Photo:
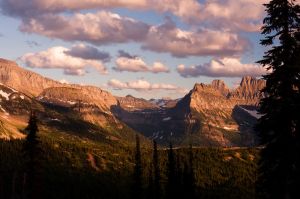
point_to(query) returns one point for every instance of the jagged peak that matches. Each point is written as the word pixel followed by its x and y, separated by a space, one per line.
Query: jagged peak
pixel 246 80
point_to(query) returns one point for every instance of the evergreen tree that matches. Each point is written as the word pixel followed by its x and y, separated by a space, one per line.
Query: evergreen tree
pixel 32 154
pixel 157 188
pixel 279 126
pixel 137 186
pixel 150 193
pixel 171 166
pixel 189 176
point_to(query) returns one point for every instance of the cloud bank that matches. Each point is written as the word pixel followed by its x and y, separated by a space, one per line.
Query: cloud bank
pixel 133 63
pixel 235 14
pixel 220 22
pixel 225 67
pixel 142 86
pixel 56 57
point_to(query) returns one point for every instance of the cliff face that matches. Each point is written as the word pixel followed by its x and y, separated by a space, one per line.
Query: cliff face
pixel 220 86
pixel 218 114
pixel 249 91
pixel 23 80
pixel 95 103
pixel 131 103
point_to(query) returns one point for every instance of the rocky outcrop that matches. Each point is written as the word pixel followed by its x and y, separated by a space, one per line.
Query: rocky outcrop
pixel 220 86
pixel 249 91
pixel 218 115
pixel 131 103
pixel 23 80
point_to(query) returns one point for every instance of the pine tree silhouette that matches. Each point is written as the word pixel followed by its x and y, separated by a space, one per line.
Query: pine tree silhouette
pixel 32 153
pixel 171 172
pixel 279 126
pixel 189 176
pixel 137 186
pixel 157 185
pixel 150 192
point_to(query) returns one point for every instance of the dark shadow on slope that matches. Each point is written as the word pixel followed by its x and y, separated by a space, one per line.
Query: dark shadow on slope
pixel 162 125
pixel 246 124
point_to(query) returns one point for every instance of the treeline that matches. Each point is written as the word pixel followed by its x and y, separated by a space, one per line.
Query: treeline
pixel 51 165
pixel 194 173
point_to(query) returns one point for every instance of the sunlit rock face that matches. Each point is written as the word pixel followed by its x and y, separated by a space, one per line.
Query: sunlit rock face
pixel 23 80
pixel 209 115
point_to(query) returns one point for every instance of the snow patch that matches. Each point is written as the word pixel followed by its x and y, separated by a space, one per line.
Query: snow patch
pixel 253 113
pixel 4 94
pixel 167 119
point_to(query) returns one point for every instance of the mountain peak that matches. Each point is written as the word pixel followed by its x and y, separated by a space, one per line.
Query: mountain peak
pixel 220 86
pixel 247 80
pixel 249 89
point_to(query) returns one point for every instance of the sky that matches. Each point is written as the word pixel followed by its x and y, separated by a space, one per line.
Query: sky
pixel 146 48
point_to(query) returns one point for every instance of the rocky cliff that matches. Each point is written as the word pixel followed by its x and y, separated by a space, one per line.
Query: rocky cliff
pixel 23 80
pixel 249 91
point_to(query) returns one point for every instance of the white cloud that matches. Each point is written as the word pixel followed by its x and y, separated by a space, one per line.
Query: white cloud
pixel 141 85
pixel 97 28
pixel 234 14
pixel 56 57
pixel 158 67
pixel 168 38
pixel 136 64
pixel 225 67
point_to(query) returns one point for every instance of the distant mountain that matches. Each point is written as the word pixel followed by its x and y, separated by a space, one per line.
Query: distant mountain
pixel 80 110
pixel 164 102
pixel 209 115
pixel 131 103
pixel 220 116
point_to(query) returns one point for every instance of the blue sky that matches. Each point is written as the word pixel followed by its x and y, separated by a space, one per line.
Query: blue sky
pixel 169 46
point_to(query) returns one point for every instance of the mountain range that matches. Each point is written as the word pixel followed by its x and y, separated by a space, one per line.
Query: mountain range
pixel 209 115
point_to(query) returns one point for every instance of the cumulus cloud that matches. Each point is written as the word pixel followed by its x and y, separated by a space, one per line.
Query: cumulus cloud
pixel 234 14
pixel 225 67
pixel 133 63
pixel 97 28
pixel 141 85
pixel 220 22
pixel 56 57
pixel 88 52
pixel 168 38
pixel 245 15
pixel 38 7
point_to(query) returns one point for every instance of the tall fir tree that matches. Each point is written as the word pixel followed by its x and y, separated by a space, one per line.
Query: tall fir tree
pixel 137 186
pixel 171 174
pixel 157 185
pixel 189 176
pixel 279 126
pixel 32 154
